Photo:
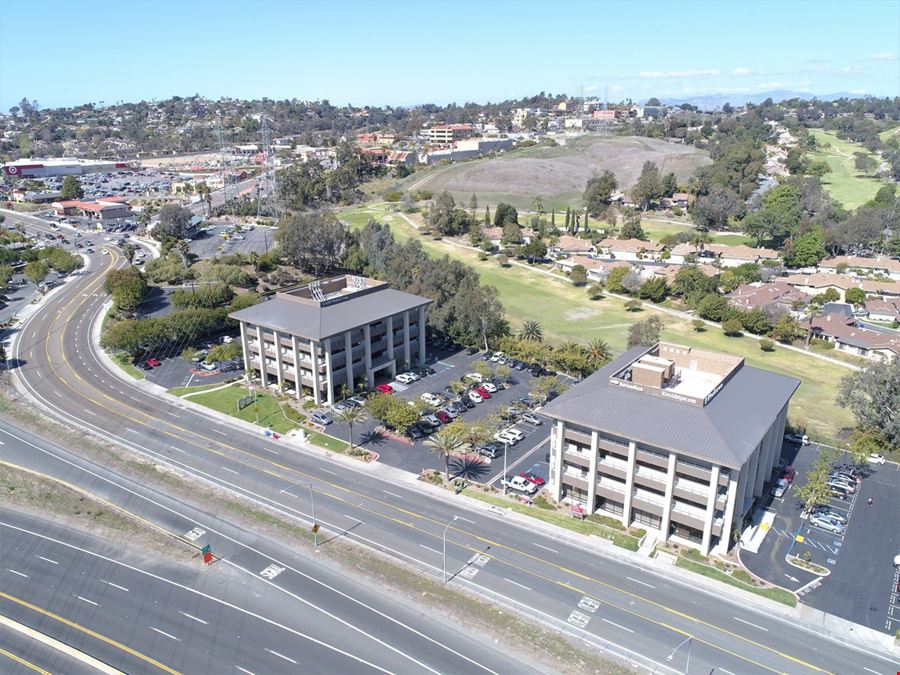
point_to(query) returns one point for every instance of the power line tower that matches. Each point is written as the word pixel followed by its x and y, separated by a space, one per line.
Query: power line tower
pixel 223 164
pixel 266 185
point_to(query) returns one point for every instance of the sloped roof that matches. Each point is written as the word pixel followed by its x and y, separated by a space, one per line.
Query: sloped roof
pixel 724 432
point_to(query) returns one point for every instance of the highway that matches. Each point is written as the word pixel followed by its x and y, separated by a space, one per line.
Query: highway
pixel 609 600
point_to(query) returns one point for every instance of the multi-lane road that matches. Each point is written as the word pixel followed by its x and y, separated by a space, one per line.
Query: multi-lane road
pixel 603 598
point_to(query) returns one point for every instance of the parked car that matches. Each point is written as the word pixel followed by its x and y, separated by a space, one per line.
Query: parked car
pixel 468 402
pixel 475 397
pixel 532 419
pixel 515 433
pixel 520 485
pixel 827 511
pixel 788 474
pixel 359 400
pixel 432 420
pixel 506 437
pixel 143 365
pixel 471 351
pixel 405 378
pixel 415 432
pixel 876 459
pixel 459 407
pixel 496 356
pixel 491 450
pixel 451 412
pixel 425 427
pixel 443 416
pixel 210 365
pixel 431 399
pixel 473 377
pixel 154 362
pixel 800 439
pixel 482 392
pixel 384 389
pixel 826 524
pixel 321 418
pixel 490 387
pixel 533 477
pixel 780 488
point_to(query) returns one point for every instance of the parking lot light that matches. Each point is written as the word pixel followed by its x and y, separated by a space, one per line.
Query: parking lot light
pixel 687 641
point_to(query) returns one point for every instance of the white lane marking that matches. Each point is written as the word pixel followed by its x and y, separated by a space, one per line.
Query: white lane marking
pixel 162 632
pixel 546 548
pixel 52 562
pixel 333 473
pixel 751 624
pixel 274 452
pixel 467 520
pixel 21 574
pixel 638 581
pixel 121 588
pixel 728 672
pixel 280 656
pixel 190 616
pixel 220 432
pixel 516 583
pixel 613 623
pixel 90 412
pixel 431 549
pixel 178 450
pixel 353 518
pixel 58 394
pixel 90 602
pixel 392 494
pixel 225 468
pixel 250 672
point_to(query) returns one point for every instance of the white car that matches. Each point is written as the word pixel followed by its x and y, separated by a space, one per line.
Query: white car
pixel 404 378
pixel 827 524
pixel 431 399
pixel 474 377
pixel 496 356
pixel 532 419
pixel 415 377
pixel 475 397
pixel 521 484
pixel 781 487
pixel 876 459
pixel 503 437
pixel 489 387
pixel 801 439
pixel 515 433
pixel 210 365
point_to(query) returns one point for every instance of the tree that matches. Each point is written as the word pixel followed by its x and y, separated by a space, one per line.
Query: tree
pixel 692 284
pixel 631 229
pixel 505 213
pixel 173 222
pixel 232 350
pixel 311 241
pixel 598 191
pixel 830 295
pixel 699 325
pixel 531 330
pixel 595 291
pixel 487 215
pixel 127 286
pixel 631 282
pixel 400 415
pixel 732 327
pixel 350 416
pixel 542 386
pixel 807 250
pixel 781 213
pixel 756 321
pixel 873 396
pixel 511 234
pixel 645 333
pixel 535 248
pixel 654 290
pixel 128 251
pixel 440 215
pixel 714 307
pixel 71 188
pixel 648 186
pixel 712 210
pixel 6 272
pixel 632 305
pixel 786 329
pixel 448 441
pixel 578 275
pixel 503 260
pixel 818 168
pixel 614 279
pixel 766 345
pixel 537 204
pixel 36 271
pixel 599 353
pixel 865 442
pixel 864 162
pixel 473 205
pixel 855 295
pixel 378 405
pixel 815 491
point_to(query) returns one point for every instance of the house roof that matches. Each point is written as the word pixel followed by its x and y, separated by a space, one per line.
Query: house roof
pixel 740 252
pixel 890 307
pixel 877 263
pixel 631 245
pixel 842 281
pixel 671 271
pixel 570 243
pixel 318 322
pixel 845 331
pixel 725 431
pixel 593 263
pixel 757 295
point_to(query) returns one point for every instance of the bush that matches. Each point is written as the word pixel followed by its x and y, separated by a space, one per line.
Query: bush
pixel 393 196
pixel 699 325
pixel 766 345
pixel 503 260
pixel 595 291
pixel 732 327
pixel 541 502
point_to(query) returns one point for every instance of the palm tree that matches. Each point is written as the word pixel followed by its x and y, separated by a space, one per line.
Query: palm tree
pixel 448 441
pixel 350 416
pixel 599 352
pixel 531 330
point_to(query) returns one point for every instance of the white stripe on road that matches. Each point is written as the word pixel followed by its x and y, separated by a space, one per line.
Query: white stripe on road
pixel 21 574
pixel 220 432
pixel 467 520
pixel 52 562
pixel 751 624
pixel 431 549
pixel 333 473
pixel 250 672
pixel 281 656
pixel 205 623
pixel 90 602
pixel 121 588
pixel 638 581
pixel 516 583
pixel 162 632
pixel 178 450
pixel 392 494
pixel 90 412
pixel 612 623
pixel 225 468
pixel 546 548
pixel 864 668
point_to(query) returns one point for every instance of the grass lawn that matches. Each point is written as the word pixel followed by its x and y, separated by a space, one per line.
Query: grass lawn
pixel 327 442
pixel 844 183
pixel 566 313
pixel 181 391
pixel 124 362
pixel 269 409
pixel 777 594
pixel 657 229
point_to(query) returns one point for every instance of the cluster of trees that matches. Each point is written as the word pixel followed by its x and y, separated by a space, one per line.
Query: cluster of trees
pixel 174 222
pixel 463 308
pixel 873 396
pixel 309 186
pixel 216 294
pixel 652 186
pixel 567 357
pixel 39 262
pixel 312 241
pixel 447 219
pixel 127 286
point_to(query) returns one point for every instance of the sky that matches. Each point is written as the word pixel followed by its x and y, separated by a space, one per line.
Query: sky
pixel 64 53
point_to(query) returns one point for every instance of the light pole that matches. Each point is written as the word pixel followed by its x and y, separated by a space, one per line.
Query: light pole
pixel 687 641
pixel 505 452
pixel 444 550
pixel 312 506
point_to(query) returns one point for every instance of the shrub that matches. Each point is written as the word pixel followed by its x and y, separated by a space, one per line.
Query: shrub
pixel 766 345
pixel 699 325
pixel 595 291
pixel 393 196
pixel 503 260
pixel 732 327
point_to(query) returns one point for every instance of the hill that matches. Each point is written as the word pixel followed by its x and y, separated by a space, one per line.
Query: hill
pixel 716 101
pixel 558 174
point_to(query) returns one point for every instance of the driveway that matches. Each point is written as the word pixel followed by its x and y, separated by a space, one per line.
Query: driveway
pixel 211 244
pixel 861 585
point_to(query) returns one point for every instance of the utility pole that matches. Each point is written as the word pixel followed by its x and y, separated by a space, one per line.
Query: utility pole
pixel 444 550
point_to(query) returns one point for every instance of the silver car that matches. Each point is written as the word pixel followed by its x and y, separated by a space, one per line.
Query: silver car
pixel 827 524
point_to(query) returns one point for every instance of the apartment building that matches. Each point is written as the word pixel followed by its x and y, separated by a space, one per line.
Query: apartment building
pixel 347 330
pixel 679 441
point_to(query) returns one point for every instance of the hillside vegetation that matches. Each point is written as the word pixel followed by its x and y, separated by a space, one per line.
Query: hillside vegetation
pixel 558 174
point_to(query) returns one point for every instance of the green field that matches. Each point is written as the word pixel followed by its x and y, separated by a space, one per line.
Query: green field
pixel 657 229
pixel 844 183
pixel 566 313
pixel 266 406
pixel 557 174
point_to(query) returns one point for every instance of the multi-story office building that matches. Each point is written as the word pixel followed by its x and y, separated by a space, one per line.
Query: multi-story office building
pixel 670 438
pixel 342 331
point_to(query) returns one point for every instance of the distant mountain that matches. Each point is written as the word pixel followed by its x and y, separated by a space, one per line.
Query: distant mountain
pixel 716 101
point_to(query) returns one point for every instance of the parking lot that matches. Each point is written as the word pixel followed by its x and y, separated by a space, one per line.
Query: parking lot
pixel 861 584
pixel 415 456
pixel 210 243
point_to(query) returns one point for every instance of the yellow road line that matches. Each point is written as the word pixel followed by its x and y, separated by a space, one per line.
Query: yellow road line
pixel 88 631
pixel 22 661
pixel 147 416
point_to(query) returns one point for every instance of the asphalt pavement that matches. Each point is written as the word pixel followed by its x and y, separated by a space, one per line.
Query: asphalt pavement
pixel 608 598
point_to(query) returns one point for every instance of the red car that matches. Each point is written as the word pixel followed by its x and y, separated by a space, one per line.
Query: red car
pixel 154 362
pixel 443 417
pixel 788 474
pixel 483 393
pixel 384 389
pixel 532 477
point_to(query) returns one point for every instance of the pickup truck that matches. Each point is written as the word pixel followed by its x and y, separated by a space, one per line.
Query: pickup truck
pixel 520 484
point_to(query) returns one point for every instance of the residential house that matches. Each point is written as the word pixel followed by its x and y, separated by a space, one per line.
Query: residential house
pixel 889 267
pixel 774 297
pixel 723 254
pixel 669 272
pixel 869 343
pixel 597 269
pixel 631 249
pixel 883 309
pixel 495 235
pixel 569 245
pixel 813 284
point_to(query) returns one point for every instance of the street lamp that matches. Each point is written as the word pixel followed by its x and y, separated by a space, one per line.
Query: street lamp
pixel 312 505
pixel 505 452
pixel 444 550
pixel 687 641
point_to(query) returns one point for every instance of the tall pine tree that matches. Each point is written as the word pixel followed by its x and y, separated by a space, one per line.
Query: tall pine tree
pixel 553 220
pixel 586 228
pixel 487 215
pixel 568 220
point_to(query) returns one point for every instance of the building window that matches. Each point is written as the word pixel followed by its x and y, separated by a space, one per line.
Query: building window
pixel 685 532
pixel 646 518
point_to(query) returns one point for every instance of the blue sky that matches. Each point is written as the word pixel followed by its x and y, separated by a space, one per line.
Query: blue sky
pixel 402 53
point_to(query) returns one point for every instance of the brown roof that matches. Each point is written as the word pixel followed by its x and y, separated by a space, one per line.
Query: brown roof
pixel 842 281
pixel 843 330
pixel 740 252
pixel 878 263
pixel 753 296
pixel 671 271
pixel 890 307
pixel 631 245
pixel 570 243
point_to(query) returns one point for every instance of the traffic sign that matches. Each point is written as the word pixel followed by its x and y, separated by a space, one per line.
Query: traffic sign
pixel 206 549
